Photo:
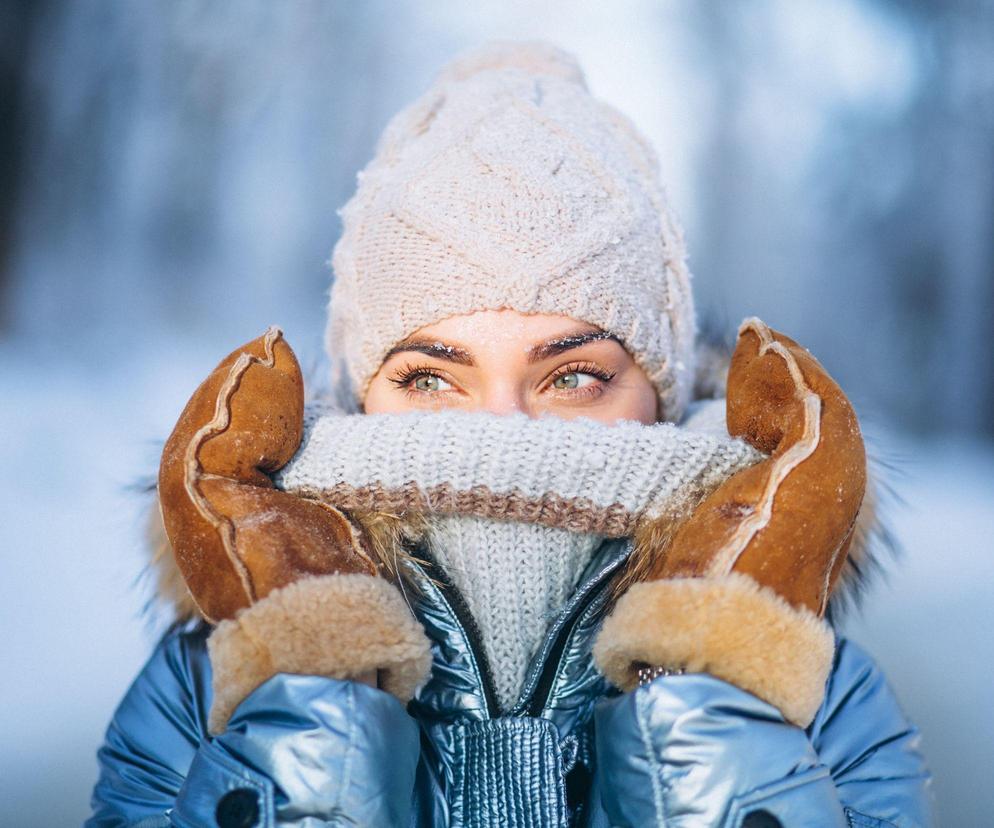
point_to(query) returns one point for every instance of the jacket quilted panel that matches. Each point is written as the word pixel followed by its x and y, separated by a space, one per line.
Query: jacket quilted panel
pixel 684 751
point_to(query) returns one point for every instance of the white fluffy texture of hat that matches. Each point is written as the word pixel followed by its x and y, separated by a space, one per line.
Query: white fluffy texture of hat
pixel 507 185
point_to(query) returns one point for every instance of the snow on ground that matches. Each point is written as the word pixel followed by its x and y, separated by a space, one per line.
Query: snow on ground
pixel 930 624
pixel 74 436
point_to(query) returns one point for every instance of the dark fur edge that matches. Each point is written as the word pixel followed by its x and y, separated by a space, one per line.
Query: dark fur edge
pixel 875 547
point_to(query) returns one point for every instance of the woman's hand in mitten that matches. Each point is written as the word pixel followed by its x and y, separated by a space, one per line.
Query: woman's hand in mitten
pixel 741 590
pixel 288 581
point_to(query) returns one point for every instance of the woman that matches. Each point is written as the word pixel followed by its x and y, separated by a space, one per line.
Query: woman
pixel 512 591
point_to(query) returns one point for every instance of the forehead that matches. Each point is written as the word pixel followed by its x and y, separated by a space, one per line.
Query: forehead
pixel 492 328
pixel 506 338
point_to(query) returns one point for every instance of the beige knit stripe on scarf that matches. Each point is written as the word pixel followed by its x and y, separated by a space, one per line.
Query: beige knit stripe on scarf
pixel 549 509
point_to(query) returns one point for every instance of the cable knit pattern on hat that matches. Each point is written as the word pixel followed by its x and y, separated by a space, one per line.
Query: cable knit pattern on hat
pixel 507 185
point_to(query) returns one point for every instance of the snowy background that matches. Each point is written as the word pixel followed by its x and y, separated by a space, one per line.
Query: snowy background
pixel 169 175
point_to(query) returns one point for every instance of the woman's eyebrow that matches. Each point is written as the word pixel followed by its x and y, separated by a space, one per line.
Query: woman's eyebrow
pixel 433 348
pixel 554 347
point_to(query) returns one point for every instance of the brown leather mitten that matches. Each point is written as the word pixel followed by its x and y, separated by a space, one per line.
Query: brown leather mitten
pixel 741 590
pixel 289 582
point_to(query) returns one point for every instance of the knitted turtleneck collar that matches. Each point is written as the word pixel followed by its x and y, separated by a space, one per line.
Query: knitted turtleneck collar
pixel 514 577
pixel 515 507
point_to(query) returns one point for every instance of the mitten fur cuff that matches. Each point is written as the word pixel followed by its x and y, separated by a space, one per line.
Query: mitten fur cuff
pixel 730 627
pixel 339 626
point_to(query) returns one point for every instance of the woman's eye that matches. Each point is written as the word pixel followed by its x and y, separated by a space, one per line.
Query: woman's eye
pixel 429 383
pixel 574 379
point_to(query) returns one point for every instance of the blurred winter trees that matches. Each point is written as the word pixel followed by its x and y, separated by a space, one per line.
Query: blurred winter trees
pixel 173 169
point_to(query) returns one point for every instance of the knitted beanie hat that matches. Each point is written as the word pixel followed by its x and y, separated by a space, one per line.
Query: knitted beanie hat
pixel 507 185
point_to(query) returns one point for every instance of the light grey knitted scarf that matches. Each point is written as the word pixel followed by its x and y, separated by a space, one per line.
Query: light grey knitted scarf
pixel 515 506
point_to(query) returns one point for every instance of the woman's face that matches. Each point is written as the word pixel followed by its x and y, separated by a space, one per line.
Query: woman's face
pixel 504 361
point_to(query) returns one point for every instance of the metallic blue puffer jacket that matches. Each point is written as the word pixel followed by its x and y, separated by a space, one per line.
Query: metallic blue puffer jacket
pixel 684 750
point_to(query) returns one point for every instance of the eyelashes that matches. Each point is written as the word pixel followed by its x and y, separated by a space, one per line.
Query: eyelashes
pixel 406 377
pixel 583 368
pixel 409 381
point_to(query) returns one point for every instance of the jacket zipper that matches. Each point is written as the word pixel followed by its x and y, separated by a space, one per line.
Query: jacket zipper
pixel 589 592
pixel 454 600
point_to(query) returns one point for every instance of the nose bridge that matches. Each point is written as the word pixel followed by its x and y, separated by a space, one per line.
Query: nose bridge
pixel 503 396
